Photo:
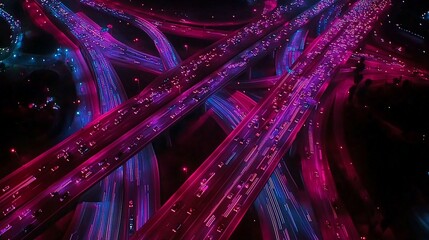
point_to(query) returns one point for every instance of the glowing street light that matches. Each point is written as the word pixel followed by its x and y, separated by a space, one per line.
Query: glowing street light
pixel 185 170
pixel 186 48
pixel 14 151
pixel 137 80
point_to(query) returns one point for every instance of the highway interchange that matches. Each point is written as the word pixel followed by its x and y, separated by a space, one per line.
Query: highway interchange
pixel 213 200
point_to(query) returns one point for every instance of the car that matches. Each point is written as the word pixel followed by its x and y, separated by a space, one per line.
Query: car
pixel 136 111
pixel 6 188
pixel 55 168
pixel 79 141
pixel 63 154
pixel 328 224
pixel 37 213
pixel 87 174
pixel 8 210
pixel 102 162
pixel 118 155
pixel 220 228
pixel 237 208
pixel 201 190
pixel 15 195
pixel 64 196
pixel 252 177
pixel 28 228
pixel 130 204
pixel 84 170
pixel 106 165
pixel 83 149
pixel 190 211
pixel 139 137
pixel 230 195
pixel 176 206
pixel 220 165
pixel 53 194
pixel 118 120
pixel 131 223
pixel 105 128
pixel 123 111
pixel 178 226
pixel 97 125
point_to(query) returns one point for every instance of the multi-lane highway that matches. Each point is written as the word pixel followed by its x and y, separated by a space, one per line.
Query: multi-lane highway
pixel 214 199
pixel 206 190
pixel 91 138
pixel 282 214
pixel 226 48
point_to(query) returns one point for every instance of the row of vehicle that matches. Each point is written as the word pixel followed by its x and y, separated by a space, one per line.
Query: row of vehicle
pixel 64 154
pixel 16 192
pixel 242 140
pixel 179 205
pixel 62 197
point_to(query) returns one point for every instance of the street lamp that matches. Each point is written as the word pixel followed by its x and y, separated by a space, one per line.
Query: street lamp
pixel 137 80
pixel 186 48
pixel 13 150
pixel 185 170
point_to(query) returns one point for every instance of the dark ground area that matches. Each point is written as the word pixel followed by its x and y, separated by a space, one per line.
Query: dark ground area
pixel 392 163
pixel 4 37
pixel 198 10
pixel 35 108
